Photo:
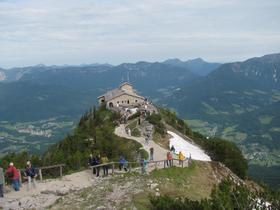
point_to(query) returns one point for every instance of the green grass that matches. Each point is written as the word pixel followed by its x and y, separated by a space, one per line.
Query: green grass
pixel 275 129
pixel 238 109
pixel 249 93
pixel 260 92
pixel 230 129
pixel 133 127
pixel 265 119
pixel 209 109
pixel 202 126
pixel 276 95
pixel 250 108
pixel 175 173
pixel 232 134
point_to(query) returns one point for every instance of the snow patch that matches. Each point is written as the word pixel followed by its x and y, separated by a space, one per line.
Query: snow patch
pixel 187 148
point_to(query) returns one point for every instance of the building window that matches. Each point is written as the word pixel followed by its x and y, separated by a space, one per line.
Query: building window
pixel 117 102
pixel 127 101
pixel 136 101
pixel 122 102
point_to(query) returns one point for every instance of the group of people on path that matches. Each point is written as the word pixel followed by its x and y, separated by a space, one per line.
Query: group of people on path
pixel 103 160
pixel 97 160
pixel 13 174
pixel 172 155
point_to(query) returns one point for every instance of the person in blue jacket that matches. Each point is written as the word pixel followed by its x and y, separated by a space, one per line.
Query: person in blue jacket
pixel 122 163
pixel 31 174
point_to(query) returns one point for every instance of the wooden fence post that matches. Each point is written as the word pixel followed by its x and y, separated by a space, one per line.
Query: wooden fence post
pixel 164 163
pixel 113 168
pixel 40 174
pixel 20 178
pixel 183 163
pixel 60 170
pixel 129 167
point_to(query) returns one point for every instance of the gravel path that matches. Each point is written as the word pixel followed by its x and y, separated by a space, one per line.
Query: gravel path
pixel 47 191
pixel 159 152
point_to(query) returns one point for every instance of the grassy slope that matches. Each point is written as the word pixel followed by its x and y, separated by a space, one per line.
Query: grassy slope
pixel 129 190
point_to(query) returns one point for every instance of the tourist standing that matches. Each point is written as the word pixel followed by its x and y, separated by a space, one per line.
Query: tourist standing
pixel 92 161
pixel 104 160
pixel 181 158
pixel 122 163
pixel 30 173
pixel 151 154
pixel 169 159
pixel 2 182
pixel 13 174
pixel 97 162
pixel 143 164
pixel 172 149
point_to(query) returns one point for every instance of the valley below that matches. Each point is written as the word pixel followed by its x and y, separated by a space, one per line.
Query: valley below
pixel 34 136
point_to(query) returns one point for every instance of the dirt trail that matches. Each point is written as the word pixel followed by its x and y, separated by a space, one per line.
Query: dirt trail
pixel 159 152
pixel 47 191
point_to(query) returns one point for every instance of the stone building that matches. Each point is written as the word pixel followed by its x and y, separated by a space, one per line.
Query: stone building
pixel 124 96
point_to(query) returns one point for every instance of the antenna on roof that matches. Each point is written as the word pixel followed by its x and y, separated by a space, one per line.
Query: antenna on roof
pixel 127 76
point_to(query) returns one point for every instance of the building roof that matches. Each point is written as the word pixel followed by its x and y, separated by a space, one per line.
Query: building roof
pixel 118 92
pixel 125 83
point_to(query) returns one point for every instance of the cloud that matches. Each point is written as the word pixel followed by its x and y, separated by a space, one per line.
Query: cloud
pixel 87 31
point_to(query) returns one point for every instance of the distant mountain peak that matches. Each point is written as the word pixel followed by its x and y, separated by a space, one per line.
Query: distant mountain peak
pixel 197 65
pixel 172 60
pixel 196 60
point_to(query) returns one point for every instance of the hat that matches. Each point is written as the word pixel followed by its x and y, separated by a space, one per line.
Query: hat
pixel 28 163
pixel 11 164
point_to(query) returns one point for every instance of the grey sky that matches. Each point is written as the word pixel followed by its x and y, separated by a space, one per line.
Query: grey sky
pixel 89 31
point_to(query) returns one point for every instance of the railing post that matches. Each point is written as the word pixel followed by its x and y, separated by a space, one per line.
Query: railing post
pixel 60 170
pixel 40 174
pixel 164 163
pixel 129 167
pixel 113 168
pixel 183 163
pixel 20 178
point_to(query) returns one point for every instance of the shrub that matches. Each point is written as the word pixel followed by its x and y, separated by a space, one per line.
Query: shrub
pixel 155 119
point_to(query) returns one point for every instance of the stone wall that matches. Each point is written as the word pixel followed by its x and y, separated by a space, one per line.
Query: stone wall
pixel 126 100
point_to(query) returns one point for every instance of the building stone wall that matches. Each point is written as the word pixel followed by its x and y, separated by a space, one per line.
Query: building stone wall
pixel 125 100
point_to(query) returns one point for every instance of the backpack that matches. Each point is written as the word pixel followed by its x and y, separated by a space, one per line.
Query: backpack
pixel 10 174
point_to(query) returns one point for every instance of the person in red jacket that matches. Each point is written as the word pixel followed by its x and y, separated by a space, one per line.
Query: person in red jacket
pixel 169 159
pixel 13 174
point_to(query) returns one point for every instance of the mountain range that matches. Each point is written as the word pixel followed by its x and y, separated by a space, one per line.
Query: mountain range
pixel 237 101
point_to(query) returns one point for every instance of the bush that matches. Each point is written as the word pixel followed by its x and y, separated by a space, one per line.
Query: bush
pixel 155 119
pixel 227 195
pixel 229 154
pixel 172 119
pixel 168 203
